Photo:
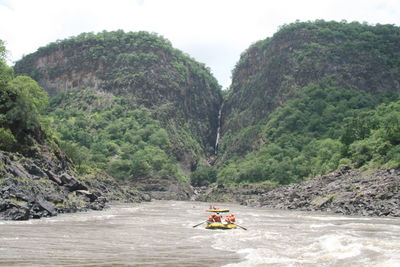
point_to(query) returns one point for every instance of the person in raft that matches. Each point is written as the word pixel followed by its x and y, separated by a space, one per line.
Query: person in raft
pixel 230 219
pixel 214 218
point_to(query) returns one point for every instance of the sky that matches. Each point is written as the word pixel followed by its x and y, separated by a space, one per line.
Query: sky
pixel 214 32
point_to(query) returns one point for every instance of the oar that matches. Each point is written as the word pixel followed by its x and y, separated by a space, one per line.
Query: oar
pixel 198 224
pixel 241 226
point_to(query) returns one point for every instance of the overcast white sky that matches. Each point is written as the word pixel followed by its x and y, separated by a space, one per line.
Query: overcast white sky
pixel 214 32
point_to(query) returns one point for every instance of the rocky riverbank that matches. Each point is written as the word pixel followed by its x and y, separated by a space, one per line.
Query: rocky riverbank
pixel 244 194
pixel 349 192
pixel 47 185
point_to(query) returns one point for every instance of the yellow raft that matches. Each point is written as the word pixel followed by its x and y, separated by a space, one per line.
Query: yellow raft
pixel 218 210
pixel 218 225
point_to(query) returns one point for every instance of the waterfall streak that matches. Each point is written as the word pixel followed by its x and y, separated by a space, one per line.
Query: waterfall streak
pixel 218 132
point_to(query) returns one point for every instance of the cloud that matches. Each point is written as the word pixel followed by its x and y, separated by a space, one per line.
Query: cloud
pixel 213 32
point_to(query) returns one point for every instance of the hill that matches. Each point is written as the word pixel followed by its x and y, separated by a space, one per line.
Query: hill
pixel 313 97
pixel 131 105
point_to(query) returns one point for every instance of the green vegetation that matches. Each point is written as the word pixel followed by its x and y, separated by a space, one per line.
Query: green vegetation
pixel 111 134
pixel 203 176
pixel 315 97
pixel 128 103
pixel 320 129
pixel 22 101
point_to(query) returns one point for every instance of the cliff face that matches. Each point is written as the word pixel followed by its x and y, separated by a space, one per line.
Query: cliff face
pixel 132 105
pixel 141 66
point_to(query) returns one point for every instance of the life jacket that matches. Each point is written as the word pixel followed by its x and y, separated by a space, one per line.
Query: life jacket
pixel 217 218
pixel 230 218
pixel 211 218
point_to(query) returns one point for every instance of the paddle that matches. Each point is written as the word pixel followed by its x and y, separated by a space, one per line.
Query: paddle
pixel 241 226
pixel 198 224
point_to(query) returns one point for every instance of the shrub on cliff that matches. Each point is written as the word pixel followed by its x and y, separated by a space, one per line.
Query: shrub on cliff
pixel 22 101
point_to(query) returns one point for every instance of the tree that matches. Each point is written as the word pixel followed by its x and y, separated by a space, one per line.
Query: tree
pixel 203 176
pixel 7 140
pixel 30 100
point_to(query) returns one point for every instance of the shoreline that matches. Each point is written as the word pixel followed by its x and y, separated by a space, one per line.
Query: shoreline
pixel 347 192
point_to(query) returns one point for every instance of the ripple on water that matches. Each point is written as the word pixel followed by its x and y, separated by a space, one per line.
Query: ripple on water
pixel 160 233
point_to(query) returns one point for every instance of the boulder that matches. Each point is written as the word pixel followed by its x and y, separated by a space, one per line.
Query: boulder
pixel 52 176
pixel 86 194
pixel 12 211
pixel 47 206
pixel 322 200
pixel 71 183
pixel 17 170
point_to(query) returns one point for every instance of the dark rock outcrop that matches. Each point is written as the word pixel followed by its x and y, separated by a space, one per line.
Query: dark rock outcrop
pixel 245 194
pixel 164 189
pixel 349 192
pixel 39 187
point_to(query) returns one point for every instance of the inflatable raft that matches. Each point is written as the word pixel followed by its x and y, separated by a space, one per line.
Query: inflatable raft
pixel 217 210
pixel 218 225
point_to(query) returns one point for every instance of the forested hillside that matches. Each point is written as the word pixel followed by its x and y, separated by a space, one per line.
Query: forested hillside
pixel 36 177
pixel 312 98
pixel 129 104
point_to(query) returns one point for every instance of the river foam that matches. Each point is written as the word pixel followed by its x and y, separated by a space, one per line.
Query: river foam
pixel 161 233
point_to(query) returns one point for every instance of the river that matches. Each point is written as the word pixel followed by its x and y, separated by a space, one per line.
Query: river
pixel 160 233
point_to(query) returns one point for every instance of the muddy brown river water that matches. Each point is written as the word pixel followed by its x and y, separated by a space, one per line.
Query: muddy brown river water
pixel 160 233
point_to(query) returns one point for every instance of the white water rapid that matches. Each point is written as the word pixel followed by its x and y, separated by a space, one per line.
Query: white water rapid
pixel 160 233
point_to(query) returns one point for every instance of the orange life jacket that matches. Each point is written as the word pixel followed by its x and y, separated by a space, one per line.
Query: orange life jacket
pixel 211 218
pixel 230 218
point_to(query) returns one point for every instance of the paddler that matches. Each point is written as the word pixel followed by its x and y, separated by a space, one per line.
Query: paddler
pixel 215 218
pixel 230 218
